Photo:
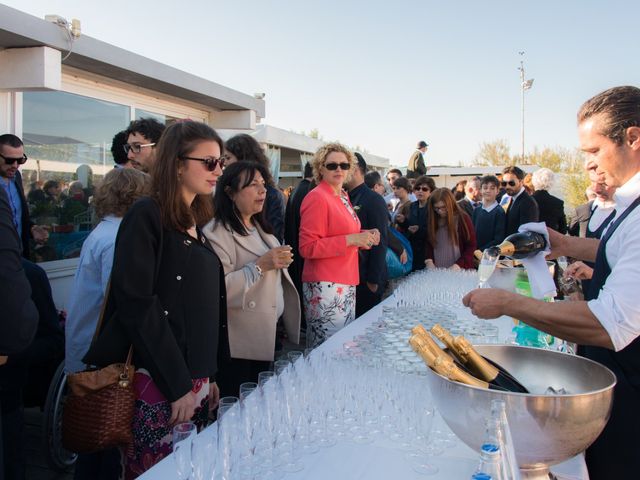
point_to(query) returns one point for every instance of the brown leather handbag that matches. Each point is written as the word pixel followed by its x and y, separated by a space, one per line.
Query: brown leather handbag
pixel 99 408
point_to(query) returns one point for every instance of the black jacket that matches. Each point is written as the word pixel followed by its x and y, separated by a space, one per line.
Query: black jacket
pixel 157 273
pixel 523 210
pixel 551 210
pixel 19 318
pixel 465 204
pixel 292 231
pixel 274 211
pixel 372 212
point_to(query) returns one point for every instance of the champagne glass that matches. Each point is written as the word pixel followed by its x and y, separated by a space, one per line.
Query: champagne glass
pixel 203 456
pixel 183 434
pixel 563 263
pixel 487 266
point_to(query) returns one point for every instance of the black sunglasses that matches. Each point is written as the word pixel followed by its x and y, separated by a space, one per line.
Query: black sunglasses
pixel 334 166
pixel 12 160
pixel 511 183
pixel 210 163
pixel 423 189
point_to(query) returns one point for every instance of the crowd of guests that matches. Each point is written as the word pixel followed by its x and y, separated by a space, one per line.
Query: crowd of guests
pixel 199 266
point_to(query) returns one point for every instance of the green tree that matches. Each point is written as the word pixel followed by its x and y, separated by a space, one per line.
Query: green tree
pixel 496 153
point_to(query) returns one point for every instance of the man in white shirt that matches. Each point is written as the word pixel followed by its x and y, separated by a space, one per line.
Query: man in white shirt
pixel 607 323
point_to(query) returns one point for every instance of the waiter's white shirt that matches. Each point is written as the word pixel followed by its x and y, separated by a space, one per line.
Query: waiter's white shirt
pixel 617 306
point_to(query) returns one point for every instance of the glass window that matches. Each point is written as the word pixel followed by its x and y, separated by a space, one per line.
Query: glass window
pixel 67 138
pixel 166 119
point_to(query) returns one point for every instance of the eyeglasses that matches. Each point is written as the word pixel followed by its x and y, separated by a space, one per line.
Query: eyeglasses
pixel 422 189
pixel 210 163
pixel 511 183
pixel 12 160
pixel 334 166
pixel 136 147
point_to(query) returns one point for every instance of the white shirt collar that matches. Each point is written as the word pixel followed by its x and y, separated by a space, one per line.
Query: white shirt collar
pixel 627 193
pixel 603 204
pixel 490 207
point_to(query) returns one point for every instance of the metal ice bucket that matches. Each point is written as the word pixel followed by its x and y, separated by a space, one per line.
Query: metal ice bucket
pixel 546 429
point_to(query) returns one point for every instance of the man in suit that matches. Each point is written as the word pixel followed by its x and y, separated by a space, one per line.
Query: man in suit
pixel 292 229
pixel 579 222
pixel 11 157
pixel 372 212
pixel 473 196
pixel 416 166
pixel 521 208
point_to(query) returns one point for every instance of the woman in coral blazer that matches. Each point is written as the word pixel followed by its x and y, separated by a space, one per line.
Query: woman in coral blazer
pixel 330 236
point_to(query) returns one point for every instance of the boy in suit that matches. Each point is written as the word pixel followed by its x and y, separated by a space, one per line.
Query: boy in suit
pixel 489 219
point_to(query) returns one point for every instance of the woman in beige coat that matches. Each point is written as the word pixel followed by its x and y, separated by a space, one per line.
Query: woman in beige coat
pixel 259 289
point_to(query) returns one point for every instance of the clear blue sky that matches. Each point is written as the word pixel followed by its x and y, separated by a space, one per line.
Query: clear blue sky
pixel 384 75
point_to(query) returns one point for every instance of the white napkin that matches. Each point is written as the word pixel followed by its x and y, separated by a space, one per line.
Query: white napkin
pixel 540 278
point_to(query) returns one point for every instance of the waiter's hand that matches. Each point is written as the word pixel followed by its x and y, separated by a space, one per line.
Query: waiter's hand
pixel 579 271
pixel 487 302
pixel 559 244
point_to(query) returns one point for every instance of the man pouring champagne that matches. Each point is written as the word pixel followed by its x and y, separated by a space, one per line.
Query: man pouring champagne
pixel 607 323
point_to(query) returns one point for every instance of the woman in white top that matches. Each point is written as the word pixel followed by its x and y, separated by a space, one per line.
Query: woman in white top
pixel 117 192
pixel 259 289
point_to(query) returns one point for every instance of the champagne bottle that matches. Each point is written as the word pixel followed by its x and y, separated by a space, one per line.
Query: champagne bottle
pixel 443 364
pixel 520 245
pixel 484 368
pixel 445 337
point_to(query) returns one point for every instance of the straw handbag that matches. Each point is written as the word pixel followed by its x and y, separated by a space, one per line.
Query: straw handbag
pixel 99 409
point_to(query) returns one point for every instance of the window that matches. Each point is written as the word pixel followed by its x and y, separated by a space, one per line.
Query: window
pixel 67 138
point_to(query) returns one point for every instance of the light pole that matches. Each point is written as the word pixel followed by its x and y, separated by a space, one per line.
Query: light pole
pixel 524 85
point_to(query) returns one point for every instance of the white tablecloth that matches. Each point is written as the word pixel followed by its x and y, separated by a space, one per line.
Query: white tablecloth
pixel 383 460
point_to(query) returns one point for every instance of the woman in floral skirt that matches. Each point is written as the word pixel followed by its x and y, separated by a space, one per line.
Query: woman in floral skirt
pixel 330 237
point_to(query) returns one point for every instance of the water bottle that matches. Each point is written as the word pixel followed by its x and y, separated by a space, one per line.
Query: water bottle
pixel 490 467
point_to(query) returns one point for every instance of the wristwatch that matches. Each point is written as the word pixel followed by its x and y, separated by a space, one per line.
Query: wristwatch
pixel 258 269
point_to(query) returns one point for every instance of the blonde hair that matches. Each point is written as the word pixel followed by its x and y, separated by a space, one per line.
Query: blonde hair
pixel 119 189
pixel 321 156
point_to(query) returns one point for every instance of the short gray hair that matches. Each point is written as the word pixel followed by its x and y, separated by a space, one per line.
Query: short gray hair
pixel 543 179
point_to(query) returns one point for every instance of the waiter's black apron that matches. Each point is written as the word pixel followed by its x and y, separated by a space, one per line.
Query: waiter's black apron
pixel 597 233
pixel 616 452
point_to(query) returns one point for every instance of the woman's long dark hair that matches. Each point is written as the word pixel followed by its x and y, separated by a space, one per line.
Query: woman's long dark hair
pixel 247 149
pixel 237 176
pixel 177 141
pixel 454 215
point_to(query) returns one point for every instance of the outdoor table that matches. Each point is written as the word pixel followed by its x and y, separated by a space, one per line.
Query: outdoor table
pixel 382 459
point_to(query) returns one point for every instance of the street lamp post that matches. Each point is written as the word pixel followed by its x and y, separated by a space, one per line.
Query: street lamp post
pixel 524 85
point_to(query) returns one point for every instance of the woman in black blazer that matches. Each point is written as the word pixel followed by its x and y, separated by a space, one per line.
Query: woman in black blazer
pixel 167 296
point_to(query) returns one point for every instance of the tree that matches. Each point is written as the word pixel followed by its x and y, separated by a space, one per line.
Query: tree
pixel 496 153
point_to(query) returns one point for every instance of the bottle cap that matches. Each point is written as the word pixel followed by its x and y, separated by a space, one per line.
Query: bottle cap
pixel 489 448
pixel 481 476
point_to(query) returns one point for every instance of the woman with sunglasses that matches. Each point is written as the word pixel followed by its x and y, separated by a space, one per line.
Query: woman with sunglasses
pixel 451 239
pixel 330 236
pixel 245 148
pixel 414 226
pixel 167 295
pixel 259 289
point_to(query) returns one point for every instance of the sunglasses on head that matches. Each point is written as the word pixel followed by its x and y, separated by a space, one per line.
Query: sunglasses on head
pixel 423 189
pixel 334 166
pixel 11 160
pixel 209 163
pixel 511 183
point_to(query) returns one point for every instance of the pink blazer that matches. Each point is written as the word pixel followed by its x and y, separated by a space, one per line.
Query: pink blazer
pixel 324 225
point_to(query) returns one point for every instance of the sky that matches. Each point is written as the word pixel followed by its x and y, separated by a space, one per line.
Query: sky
pixel 384 75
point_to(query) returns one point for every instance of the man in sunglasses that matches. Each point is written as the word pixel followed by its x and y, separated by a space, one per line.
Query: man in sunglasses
pixel 142 138
pixel 11 157
pixel 606 324
pixel 521 208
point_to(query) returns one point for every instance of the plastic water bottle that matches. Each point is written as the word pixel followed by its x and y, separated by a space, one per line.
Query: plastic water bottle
pixel 490 467
pixel 497 456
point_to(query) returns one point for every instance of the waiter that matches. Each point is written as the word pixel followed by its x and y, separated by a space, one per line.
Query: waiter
pixel 607 323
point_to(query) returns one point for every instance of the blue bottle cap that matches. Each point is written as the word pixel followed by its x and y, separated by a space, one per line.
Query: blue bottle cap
pixel 489 448
pixel 481 476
